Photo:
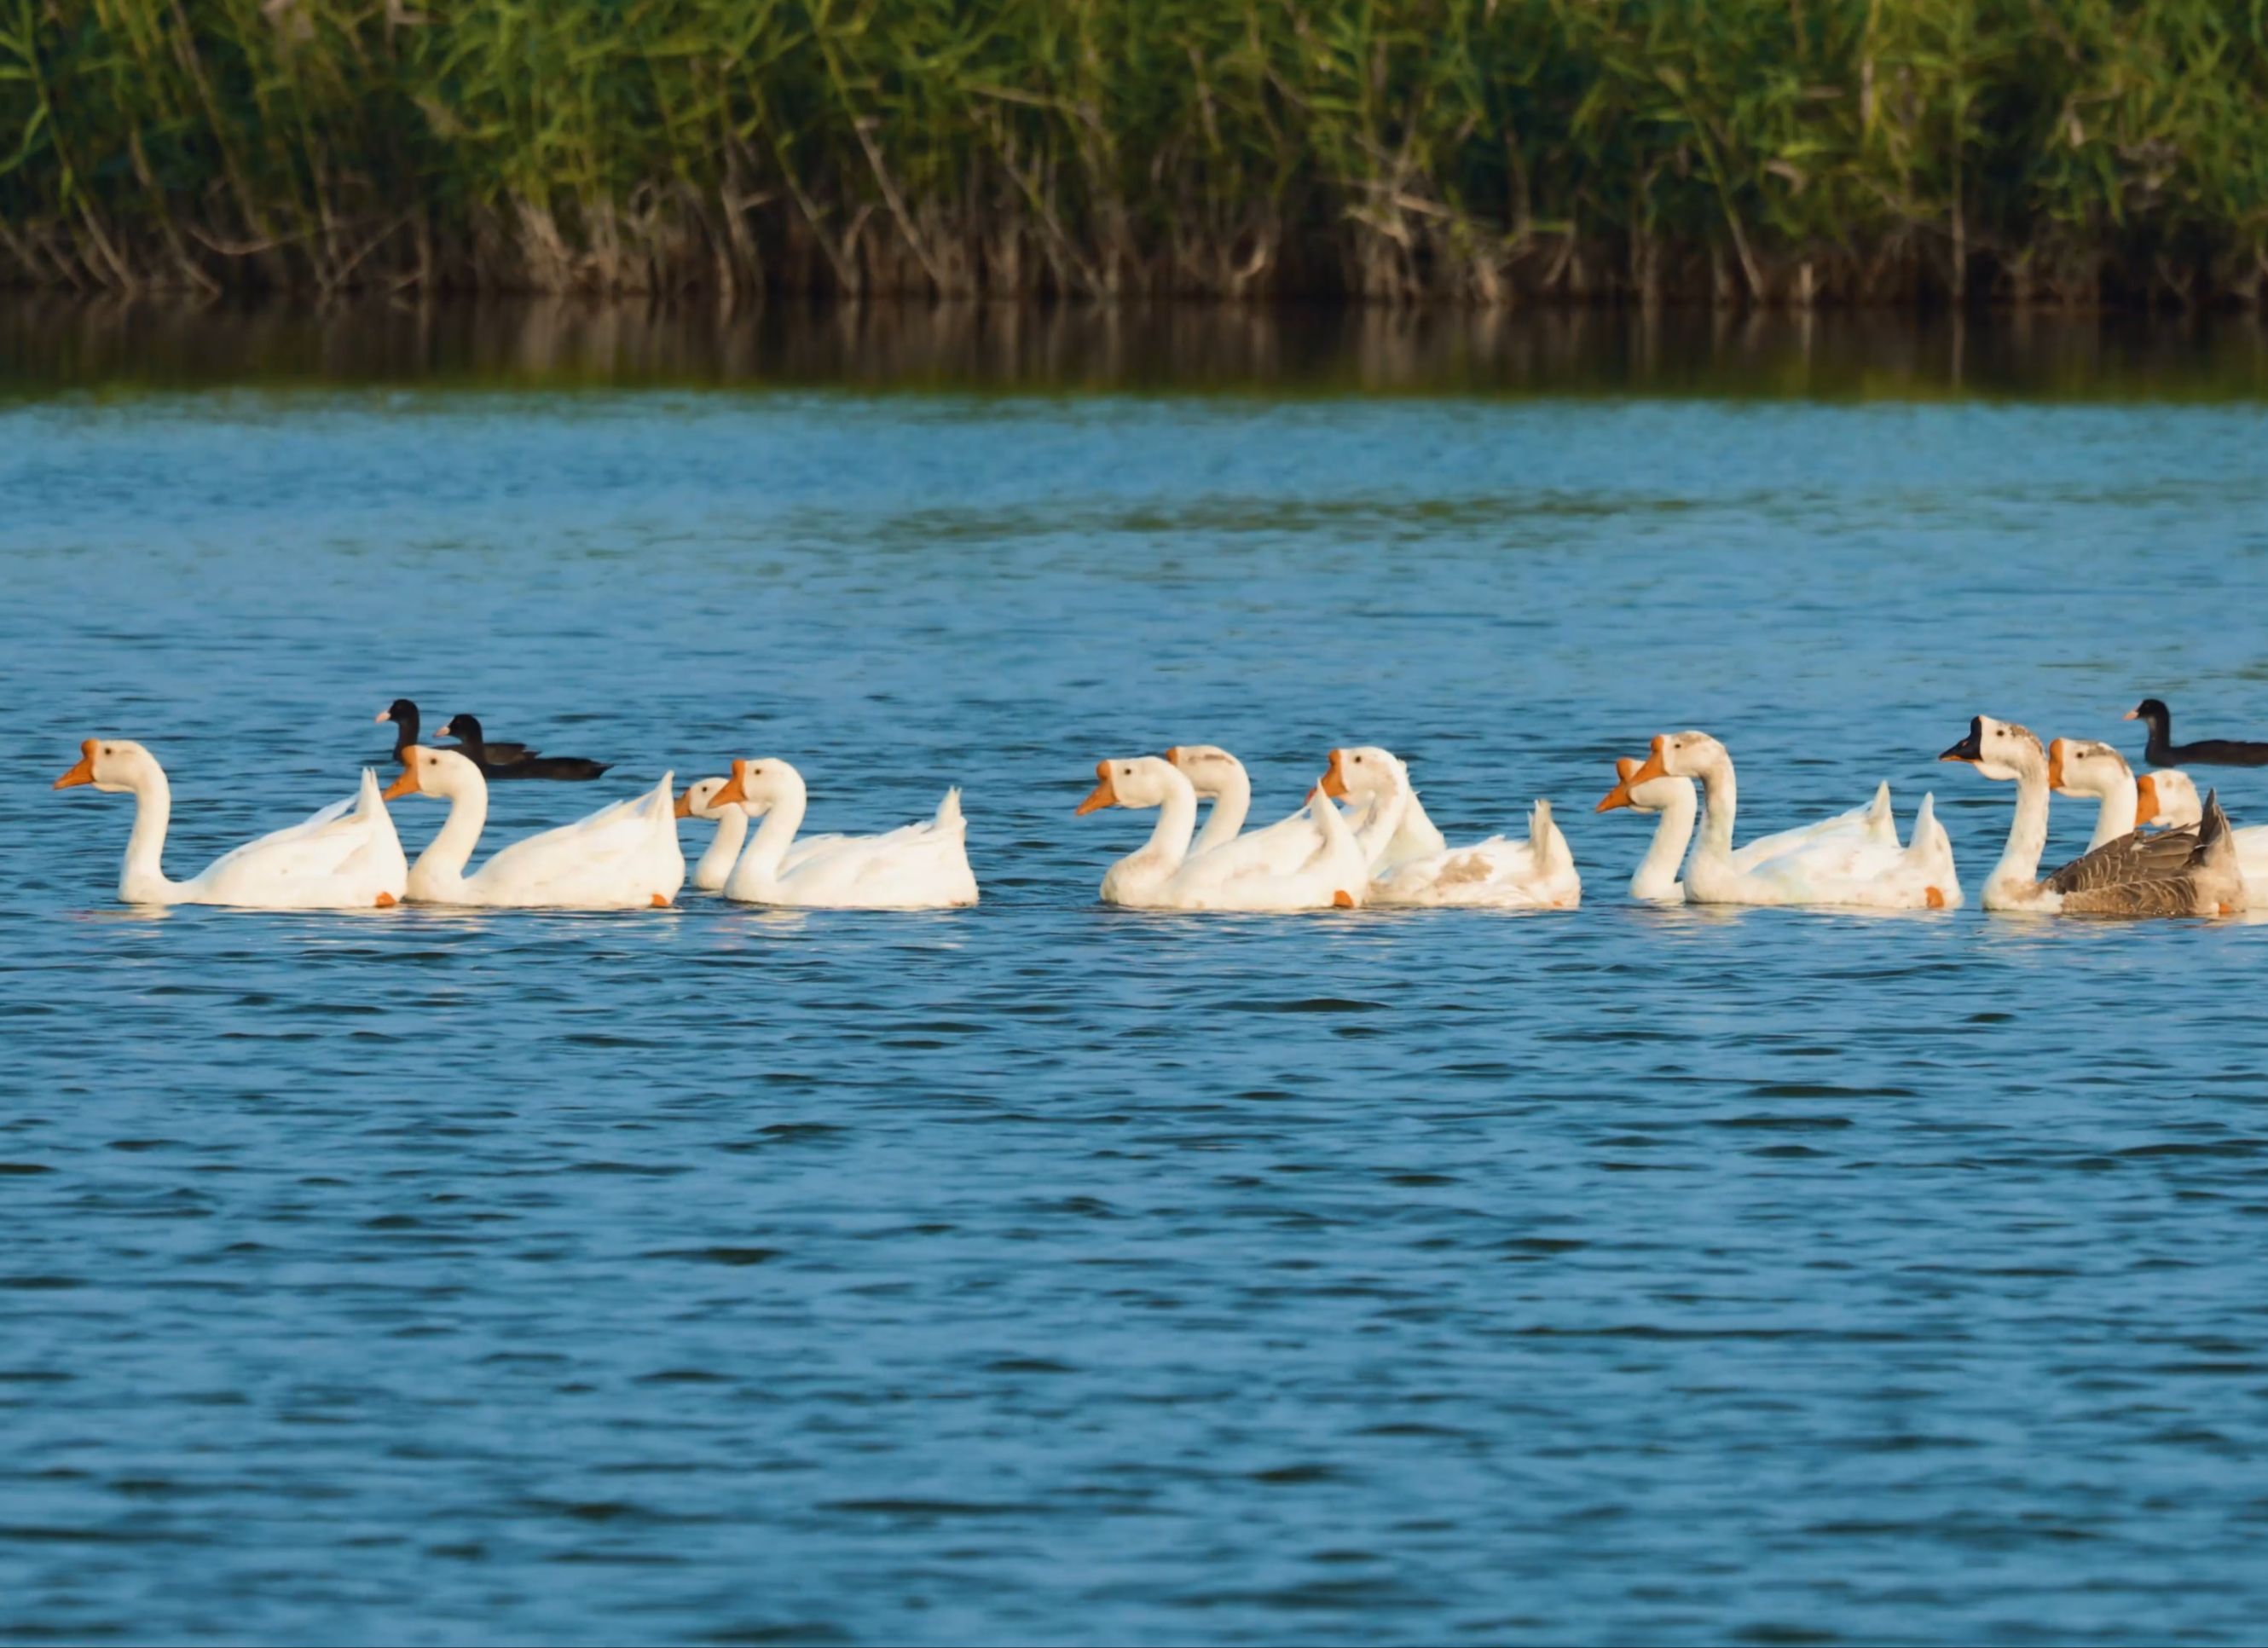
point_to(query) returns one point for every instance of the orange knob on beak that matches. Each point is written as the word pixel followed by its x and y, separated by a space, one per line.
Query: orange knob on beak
pixel 1104 794
pixel 83 772
pixel 1654 765
pixel 1335 784
pixel 735 790
pixel 1625 770
pixel 2055 763
pixel 2146 799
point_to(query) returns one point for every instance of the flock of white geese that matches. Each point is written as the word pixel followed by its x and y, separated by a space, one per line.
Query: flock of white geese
pixel 1361 837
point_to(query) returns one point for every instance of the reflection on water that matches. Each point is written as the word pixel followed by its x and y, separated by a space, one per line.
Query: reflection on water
pixel 50 343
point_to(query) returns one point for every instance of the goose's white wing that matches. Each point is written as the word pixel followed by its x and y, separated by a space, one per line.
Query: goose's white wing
pixel 619 842
pixel 1279 848
pixel 330 844
pixel 1538 873
pixel 925 863
pixel 1872 821
pixel 344 856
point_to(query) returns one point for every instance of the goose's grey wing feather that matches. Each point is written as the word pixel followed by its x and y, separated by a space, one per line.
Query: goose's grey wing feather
pixel 2133 875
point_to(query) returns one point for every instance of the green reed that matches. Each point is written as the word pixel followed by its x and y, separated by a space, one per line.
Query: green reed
pixel 1769 151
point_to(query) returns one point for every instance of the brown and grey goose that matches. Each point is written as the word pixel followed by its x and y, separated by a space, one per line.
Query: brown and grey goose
pixel 2191 870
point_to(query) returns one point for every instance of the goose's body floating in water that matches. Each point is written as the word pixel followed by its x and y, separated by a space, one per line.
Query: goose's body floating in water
pixel 1220 777
pixel 1677 805
pixel 1164 874
pixel 346 856
pixel 2169 797
pixel 1499 873
pixel 920 866
pixel 1866 869
pixel 621 857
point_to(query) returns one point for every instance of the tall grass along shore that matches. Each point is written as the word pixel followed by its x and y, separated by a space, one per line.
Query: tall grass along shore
pixel 1481 151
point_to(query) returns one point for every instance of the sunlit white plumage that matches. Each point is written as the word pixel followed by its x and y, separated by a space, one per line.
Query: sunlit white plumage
pixel 620 857
pixel 1219 777
pixel 1538 873
pixel 1838 867
pixel 1677 803
pixel 732 834
pixel 346 856
pixel 919 866
pixel 1164 874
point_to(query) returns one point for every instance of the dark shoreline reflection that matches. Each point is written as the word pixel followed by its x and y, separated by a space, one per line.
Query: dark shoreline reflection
pixel 51 344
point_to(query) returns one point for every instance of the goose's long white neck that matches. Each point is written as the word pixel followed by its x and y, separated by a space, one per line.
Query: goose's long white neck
pixel 141 878
pixel 723 848
pixel 761 864
pixel 1170 837
pixel 1337 836
pixel 1382 819
pixel 441 866
pixel 1232 804
pixel 2019 869
pixel 1721 796
pixel 1673 834
pixel 2115 817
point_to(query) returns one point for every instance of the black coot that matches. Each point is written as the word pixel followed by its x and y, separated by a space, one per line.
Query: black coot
pixel 2162 751
pixel 517 760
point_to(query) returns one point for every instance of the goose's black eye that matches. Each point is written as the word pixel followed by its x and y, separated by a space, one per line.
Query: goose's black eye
pixel 1358 761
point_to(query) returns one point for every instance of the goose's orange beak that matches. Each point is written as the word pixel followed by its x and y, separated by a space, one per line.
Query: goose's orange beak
pixel 2146 799
pixel 2055 763
pixel 83 772
pixel 406 783
pixel 735 790
pixel 1654 765
pixel 684 808
pixel 1335 784
pixel 1102 795
pixel 1173 756
pixel 1625 769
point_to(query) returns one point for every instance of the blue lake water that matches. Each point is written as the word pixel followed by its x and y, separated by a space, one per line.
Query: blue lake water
pixel 1049 1273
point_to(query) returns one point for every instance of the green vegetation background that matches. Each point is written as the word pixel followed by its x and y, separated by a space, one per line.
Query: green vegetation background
pixel 1489 150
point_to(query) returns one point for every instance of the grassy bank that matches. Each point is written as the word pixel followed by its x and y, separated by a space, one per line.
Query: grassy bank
pixel 1493 152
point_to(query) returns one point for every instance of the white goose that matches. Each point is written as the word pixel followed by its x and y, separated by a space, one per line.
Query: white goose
pixel 699 802
pixel 2169 797
pixel 346 856
pixel 1538 873
pixel 1835 868
pixel 2086 767
pixel 1678 804
pixel 1163 874
pixel 920 866
pixel 619 857
pixel 1218 776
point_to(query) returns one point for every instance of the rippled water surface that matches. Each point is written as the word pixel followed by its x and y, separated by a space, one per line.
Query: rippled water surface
pixel 1043 1272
